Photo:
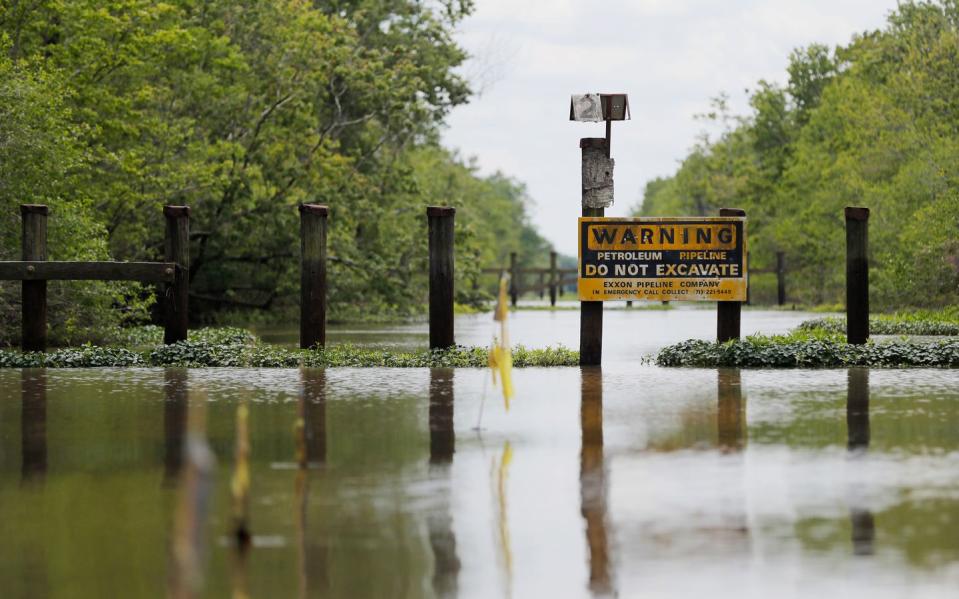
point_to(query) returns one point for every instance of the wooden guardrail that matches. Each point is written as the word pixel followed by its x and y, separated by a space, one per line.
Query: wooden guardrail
pixel 34 270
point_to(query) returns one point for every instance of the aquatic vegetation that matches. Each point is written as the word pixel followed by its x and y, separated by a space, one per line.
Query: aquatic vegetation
pixel 795 352
pixel 200 354
pixel 924 322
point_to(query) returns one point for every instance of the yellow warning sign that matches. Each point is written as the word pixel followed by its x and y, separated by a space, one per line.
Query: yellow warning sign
pixel 685 258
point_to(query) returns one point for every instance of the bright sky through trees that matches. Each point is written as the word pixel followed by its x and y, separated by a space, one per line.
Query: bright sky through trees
pixel 671 56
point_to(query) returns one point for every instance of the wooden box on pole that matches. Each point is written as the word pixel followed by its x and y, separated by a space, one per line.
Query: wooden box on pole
pixel 728 314
pixel 313 227
pixel 440 219
pixel 33 304
pixel 176 248
pixel 857 275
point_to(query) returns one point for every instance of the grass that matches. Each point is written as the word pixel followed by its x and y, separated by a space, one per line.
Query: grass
pixel 233 347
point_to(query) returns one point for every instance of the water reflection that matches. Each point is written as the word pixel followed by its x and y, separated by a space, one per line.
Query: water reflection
pixel 858 433
pixel 174 422
pixel 442 438
pixel 195 491
pixel 313 413
pixel 731 420
pixel 33 424
pixel 446 562
pixel 593 481
pixel 312 553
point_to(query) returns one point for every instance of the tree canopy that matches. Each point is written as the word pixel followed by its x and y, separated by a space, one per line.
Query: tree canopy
pixel 242 110
pixel 874 123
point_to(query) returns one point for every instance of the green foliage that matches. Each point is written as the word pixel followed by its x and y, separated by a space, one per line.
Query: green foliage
pixel 919 322
pixel 145 335
pixel 40 162
pixel 874 123
pixel 233 347
pixel 111 109
pixel 760 352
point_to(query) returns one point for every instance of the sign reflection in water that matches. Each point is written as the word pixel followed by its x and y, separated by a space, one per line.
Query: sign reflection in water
pixel 593 481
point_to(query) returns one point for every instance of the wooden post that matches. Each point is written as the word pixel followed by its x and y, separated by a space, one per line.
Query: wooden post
pixel 176 248
pixel 441 276
pixel 597 189
pixel 553 279
pixel 513 280
pixel 33 294
pixel 313 275
pixel 857 275
pixel 728 314
pixel 542 285
pixel 781 278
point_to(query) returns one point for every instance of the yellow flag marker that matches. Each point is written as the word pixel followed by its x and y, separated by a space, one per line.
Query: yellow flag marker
pixel 500 357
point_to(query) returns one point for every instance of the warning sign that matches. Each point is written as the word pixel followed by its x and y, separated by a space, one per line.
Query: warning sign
pixel 702 259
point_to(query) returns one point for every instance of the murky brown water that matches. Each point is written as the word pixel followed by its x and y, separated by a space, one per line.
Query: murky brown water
pixel 631 480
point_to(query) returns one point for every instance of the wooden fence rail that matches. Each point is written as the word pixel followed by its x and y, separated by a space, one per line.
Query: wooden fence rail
pixel 552 279
pixel 34 270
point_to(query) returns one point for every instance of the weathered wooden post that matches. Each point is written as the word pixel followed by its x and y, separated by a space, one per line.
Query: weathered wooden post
pixel 441 275
pixel 729 314
pixel 553 279
pixel 33 294
pixel 857 275
pixel 597 194
pixel 176 248
pixel 542 284
pixel 513 280
pixel 313 219
pixel 781 278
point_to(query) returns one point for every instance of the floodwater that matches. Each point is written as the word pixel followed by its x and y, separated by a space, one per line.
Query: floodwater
pixel 629 481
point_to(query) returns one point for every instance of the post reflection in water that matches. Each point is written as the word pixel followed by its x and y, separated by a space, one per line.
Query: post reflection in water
pixel 174 422
pixel 592 481
pixel 446 563
pixel 313 412
pixel 312 557
pixel 857 428
pixel 442 438
pixel 731 421
pixel 33 424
